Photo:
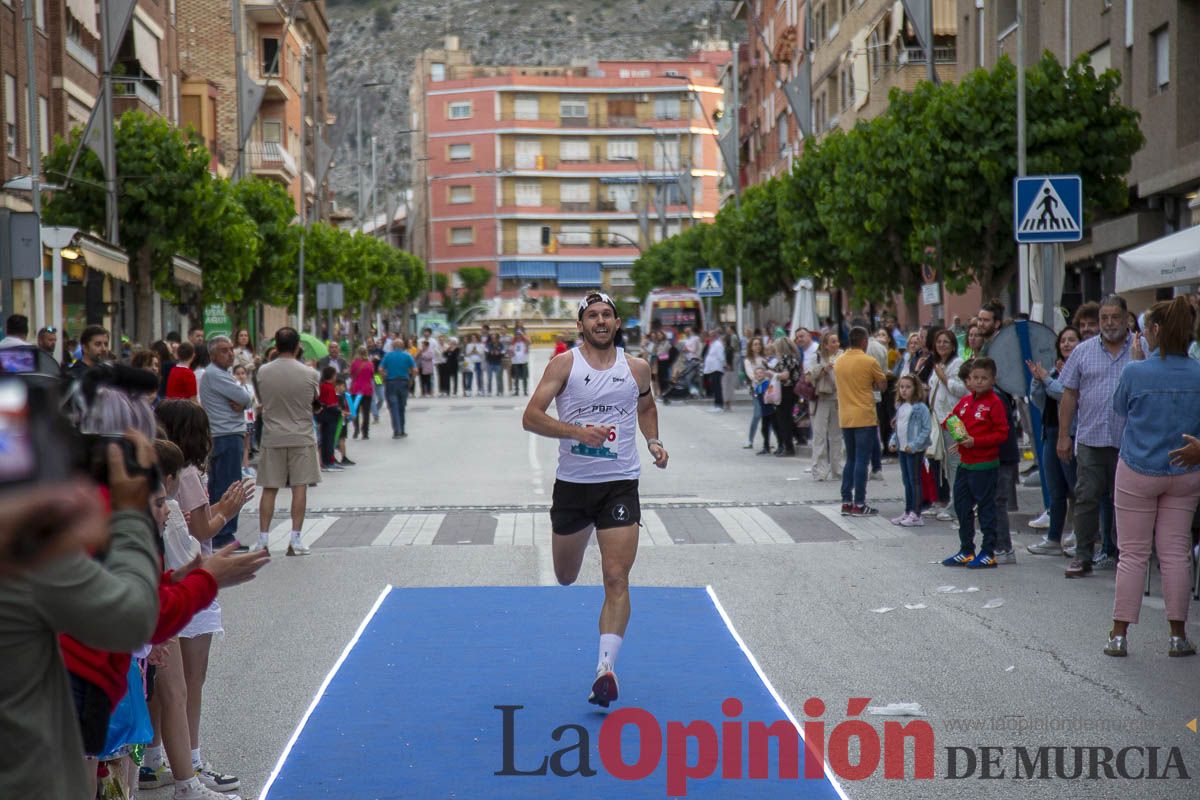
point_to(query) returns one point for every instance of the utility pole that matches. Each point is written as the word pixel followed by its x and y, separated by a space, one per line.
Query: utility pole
pixel 303 193
pixel 1022 250
pixel 374 194
pixel 35 159
pixel 358 156
pixel 737 180
pixel 930 71
pixel 239 89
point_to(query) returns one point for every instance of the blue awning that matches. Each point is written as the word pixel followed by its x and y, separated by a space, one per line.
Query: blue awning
pixel 528 270
pixel 580 274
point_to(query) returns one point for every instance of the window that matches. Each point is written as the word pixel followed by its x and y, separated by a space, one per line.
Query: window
pixel 666 107
pixel 10 114
pixel 529 153
pixel 623 197
pixel 39 14
pixel 575 192
pixel 270 56
pixel 529 238
pixel 526 106
pixel 781 130
pixel 529 194
pixel 622 149
pixel 666 154
pixel 578 234
pixel 874 54
pixel 437 72
pixel 573 150
pixel 272 131
pixel 1161 49
pixel 622 234
pixel 462 194
pixel 1101 58
pixel 460 109
pixel 460 152
pixel 575 108
pixel 464 235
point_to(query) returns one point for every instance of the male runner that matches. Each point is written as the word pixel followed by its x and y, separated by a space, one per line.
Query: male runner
pixel 597 389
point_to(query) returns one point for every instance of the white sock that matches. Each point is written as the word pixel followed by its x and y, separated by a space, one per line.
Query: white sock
pixel 295 536
pixel 153 757
pixel 610 645
pixel 263 538
pixel 197 762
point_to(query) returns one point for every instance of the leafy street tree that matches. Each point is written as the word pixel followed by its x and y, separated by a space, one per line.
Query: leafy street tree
pixel 274 278
pixel 162 195
pixel 804 240
pixel 751 236
pixel 226 244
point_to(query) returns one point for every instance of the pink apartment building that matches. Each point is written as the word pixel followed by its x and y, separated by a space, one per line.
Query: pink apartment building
pixel 555 178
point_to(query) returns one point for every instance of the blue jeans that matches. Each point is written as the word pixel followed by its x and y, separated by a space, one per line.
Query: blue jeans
pixel 975 489
pixel 224 467
pixel 466 380
pixel 495 371
pixel 910 471
pixel 376 401
pixel 755 420
pixel 857 443
pixel 876 454
pixel 1060 482
pixel 397 399
pixel 479 378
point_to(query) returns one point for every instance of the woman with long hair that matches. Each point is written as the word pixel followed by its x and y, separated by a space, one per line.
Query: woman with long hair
pixel 945 390
pixel 756 359
pixel 362 384
pixel 1157 486
pixel 1045 392
pixel 787 370
pixel 827 433
pixel 243 350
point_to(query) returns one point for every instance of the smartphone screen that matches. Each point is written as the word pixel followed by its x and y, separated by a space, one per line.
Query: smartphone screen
pixel 18 359
pixel 18 462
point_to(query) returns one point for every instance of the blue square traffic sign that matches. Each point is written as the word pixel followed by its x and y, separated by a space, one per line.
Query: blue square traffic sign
pixel 709 283
pixel 1048 208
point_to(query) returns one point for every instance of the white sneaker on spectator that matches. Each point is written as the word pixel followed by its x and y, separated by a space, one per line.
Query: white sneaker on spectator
pixel 1040 522
pixel 945 515
pixel 1068 541
pixel 1045 548
pixel 900 520
pixel 217 781
pixel 194 789
pixel 913 521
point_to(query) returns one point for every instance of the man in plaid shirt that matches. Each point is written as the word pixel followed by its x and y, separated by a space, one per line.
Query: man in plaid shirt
pixel 1090 379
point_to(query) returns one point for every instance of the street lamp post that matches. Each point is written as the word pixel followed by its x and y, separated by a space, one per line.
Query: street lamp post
pixel 57 237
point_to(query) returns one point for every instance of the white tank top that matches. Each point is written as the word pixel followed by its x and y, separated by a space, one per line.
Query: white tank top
pixel 599 397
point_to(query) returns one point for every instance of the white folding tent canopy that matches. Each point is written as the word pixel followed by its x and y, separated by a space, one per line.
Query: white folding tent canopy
pixel 1170 261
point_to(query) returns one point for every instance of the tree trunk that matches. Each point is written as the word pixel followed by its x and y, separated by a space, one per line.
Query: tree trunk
pixel 144 298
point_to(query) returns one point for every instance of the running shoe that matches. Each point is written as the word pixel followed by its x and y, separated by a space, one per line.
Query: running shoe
pixel 1068 540
pixel 184 791
pixel 345 462
pixel 984 560
pixel 1045 547
pixel 604 688
pixel 913 521
pixel 1103 561
pixel 298 548
pixel 900 520
pixel 155 777
pixel 1041 522
pixel 945 515
pixel 1006 557
pixel 846 507
pixel 217 781
pixel 960 559
pixel 863 511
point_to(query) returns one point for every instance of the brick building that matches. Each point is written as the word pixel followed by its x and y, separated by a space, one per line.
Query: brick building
pixel 556 177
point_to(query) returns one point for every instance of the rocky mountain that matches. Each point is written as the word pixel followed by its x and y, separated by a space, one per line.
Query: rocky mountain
pixel 377 41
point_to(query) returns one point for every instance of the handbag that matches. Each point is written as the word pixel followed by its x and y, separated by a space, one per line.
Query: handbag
pixel 774 394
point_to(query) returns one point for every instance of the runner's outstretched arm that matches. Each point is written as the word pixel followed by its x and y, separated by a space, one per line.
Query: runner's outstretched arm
pixel 648 411
pixel 536 420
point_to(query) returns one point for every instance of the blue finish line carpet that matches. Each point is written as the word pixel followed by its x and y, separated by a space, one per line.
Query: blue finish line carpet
pixel 410 711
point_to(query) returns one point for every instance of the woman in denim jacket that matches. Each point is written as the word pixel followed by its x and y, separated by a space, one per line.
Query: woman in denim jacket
pixel 1156 493
pixel 1045 392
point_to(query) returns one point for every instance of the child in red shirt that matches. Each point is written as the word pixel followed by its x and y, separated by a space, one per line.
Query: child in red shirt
pixel 979 425
pixel 327 418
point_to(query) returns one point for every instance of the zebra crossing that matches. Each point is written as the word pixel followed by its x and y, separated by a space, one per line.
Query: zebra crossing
pixel 663 526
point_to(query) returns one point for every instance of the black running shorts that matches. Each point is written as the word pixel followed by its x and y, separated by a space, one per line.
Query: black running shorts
pixel 613 504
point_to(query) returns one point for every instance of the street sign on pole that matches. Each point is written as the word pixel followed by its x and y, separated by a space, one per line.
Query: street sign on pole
pixel 709 283
pixel 931 294
pixel 1048 208
pixel 330 296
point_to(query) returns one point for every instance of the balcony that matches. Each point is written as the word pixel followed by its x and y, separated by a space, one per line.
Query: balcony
pixel 600 244
pixel 132 94
pixel 595 163
pixel 81 53
pixel 271 160
pixel 916 55
pixel 265 10
pixel 590 207
pixel 277 88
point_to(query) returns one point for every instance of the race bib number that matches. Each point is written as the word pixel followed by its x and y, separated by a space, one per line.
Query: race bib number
pixel 606 450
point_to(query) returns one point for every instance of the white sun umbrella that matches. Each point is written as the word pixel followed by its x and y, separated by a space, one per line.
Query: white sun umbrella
pixel 1049 314
pixel 804 307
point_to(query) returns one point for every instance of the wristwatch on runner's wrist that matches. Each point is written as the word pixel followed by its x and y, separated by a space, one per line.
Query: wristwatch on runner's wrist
pixel 651 442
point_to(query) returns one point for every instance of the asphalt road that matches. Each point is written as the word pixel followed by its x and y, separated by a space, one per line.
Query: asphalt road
pixel 461 502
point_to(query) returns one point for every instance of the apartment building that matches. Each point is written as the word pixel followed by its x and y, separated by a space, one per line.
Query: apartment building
pixel 1153 44
pixel 557 177
pixel 280 56
pixel 66 58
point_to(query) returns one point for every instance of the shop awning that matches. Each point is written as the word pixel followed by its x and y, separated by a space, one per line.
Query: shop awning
pixel 186 271
pixel 104 258
pixel 145 47
pixel 528 270
pixel 1170 261
pixel 84 12
pixel 579 274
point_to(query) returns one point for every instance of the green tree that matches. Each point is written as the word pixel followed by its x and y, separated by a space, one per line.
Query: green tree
pixel 474 281
pixel 273 280
pixel 751 236
pixel 162 177
pixel 226 244
pixel 804 240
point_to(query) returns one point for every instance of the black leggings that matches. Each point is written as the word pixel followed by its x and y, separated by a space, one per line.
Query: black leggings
pixel 664 377
pixel 784 428
pixel 362 422
pixel 768 422
pixel 327 421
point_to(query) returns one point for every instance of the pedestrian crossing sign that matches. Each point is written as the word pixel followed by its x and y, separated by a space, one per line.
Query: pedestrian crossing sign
pixel 709 283
pixel 1048 208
